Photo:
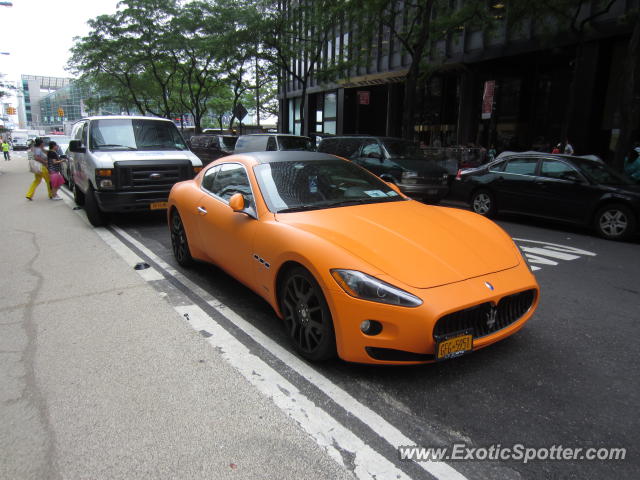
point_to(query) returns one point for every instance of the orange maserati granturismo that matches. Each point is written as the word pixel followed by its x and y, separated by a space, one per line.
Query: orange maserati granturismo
pixel 350 265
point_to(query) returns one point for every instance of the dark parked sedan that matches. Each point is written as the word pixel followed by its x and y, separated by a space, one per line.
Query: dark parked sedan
pixel 395 160
pixel 212 147
pixel 561 187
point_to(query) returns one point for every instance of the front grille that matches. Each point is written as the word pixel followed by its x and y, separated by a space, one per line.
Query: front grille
pixel 393 355
pixel 480 318
pixel 151 176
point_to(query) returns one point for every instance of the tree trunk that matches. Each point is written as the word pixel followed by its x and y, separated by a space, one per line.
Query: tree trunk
pixel 629 103
pixel 411 82
pixel 303 101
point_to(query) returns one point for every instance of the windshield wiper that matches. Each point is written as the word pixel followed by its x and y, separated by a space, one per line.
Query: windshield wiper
pixel 114 145
pixel 300 208
pixel 362 201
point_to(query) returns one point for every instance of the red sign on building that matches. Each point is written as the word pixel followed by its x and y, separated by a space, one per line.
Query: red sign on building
pixel 487 98
pixel 363 97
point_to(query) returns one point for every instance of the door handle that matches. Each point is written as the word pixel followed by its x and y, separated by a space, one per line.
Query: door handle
pixel 202 211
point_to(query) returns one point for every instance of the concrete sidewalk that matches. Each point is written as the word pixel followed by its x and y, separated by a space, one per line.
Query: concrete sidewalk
pixel 100 379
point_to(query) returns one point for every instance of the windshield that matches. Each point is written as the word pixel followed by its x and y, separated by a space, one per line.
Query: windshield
pixel 600 173
pixel 317 184
pixel 403 149
pixel 134 134
pixel 295 143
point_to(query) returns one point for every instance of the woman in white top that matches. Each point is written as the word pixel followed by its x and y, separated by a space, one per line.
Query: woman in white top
pixel 39 156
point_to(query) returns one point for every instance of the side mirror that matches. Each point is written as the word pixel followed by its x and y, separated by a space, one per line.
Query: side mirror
pixel 394 187
pixel 236 202
pixel 76 147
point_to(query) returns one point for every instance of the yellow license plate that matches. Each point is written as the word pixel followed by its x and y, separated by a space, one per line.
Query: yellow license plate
pixel 454 346
pixel 158 206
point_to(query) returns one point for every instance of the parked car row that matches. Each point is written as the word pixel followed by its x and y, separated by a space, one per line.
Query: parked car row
pixel 571 189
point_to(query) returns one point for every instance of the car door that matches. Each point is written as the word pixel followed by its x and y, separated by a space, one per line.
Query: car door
pixel 227 236
pixel 80 168
pixel 562 191
pixel 514 187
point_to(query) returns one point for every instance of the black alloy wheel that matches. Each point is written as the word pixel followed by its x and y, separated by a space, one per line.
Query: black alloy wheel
pixel 306 315
pixel 615 222
pixel 179 242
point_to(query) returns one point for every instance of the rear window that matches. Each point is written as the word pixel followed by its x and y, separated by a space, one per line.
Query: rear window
pixel 343 147
pixel 296 143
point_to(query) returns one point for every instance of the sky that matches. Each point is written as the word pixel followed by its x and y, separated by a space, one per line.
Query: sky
pixel 38 34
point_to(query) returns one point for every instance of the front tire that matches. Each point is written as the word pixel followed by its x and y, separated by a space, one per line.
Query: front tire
pixel 94 214
pixel 78 196
pixel 483 203
pixel 179 242
pixel 307 317
pixel 615 222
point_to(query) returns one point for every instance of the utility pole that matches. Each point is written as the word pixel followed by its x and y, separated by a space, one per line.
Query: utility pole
pixel 257 95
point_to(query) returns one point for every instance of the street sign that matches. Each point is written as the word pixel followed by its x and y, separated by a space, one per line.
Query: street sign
pixel 239 111
pixel 363 97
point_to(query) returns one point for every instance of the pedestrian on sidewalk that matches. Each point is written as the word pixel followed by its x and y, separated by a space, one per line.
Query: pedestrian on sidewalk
pixel 568 148
pixel 556 149
pixel 39 156
pixel 5 150
pixel 53 165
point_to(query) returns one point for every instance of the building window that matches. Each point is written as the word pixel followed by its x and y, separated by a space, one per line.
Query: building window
pixel 329 112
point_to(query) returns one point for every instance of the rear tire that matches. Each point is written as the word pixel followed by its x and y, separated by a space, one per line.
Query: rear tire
pixel 483 203
pixel 615 222
pixel 94 214
pixel 179 241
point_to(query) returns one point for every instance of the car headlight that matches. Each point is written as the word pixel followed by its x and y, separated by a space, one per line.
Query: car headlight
pixel 407 174
pixel 363 286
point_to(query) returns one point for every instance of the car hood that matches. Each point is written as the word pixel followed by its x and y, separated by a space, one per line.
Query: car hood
pixel 420 245
pixel 108 158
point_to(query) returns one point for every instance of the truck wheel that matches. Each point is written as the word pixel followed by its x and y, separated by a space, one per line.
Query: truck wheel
pixel 78 196
pixel 94 214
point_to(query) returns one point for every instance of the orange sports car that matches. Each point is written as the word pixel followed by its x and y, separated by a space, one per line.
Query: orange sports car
pixel 350 265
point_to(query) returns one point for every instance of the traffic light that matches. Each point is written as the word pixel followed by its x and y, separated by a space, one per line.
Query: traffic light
pixel 60 112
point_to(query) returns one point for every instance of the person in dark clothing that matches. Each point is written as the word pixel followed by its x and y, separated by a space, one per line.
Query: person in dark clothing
pixel 53 165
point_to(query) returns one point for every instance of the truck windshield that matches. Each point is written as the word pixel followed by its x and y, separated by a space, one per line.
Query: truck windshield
pixel 134 134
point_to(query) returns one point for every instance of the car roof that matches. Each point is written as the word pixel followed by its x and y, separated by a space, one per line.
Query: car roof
pixel 562 156
pixel 121 117
pixel 273 135
pixel 285 156
pixel 379 137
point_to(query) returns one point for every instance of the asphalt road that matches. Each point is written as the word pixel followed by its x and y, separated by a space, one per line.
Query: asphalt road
pixel 569 378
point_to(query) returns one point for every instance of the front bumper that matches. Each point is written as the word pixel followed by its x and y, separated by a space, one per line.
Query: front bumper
pixel 114 201
pixel 424 191
pixel 407 333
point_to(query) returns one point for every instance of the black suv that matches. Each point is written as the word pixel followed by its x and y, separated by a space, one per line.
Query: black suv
pixel 571 189
pixel 394 160
pixel 212 147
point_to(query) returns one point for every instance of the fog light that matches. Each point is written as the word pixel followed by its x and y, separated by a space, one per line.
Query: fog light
pixel 371 327
pixel 106 184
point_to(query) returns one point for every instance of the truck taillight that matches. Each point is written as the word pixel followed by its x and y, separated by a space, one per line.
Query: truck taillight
pixel 459 174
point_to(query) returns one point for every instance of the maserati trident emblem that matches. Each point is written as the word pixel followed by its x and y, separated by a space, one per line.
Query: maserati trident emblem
pixel 492 317
pixel 489 286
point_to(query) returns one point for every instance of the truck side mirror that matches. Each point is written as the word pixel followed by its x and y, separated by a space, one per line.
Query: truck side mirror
pixel 76 147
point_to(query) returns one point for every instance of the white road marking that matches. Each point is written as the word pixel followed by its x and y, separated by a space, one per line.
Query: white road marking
pixel 382 427
pixel 538 254
pixel 325 430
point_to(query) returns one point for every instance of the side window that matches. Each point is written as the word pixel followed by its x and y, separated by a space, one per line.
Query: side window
pixel 83 134
pixel 213 142
pixel 371 149
pixel 558 170
pixel 207 180
pixel 498 167
pixel 271 144
pixel 232 178
pixel 521 166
